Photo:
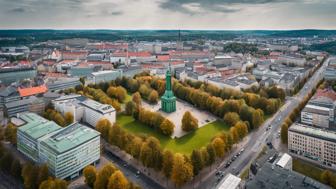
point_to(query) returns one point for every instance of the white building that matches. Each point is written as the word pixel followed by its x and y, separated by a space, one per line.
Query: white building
pixel 230 182
pixel 84 109
pixel 104 76
pixel 313 144
pixel 94 111
pixel 319 112
pixel 285 162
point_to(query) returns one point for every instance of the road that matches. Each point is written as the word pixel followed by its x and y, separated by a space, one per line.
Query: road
pixel 258 139
pixel 130 172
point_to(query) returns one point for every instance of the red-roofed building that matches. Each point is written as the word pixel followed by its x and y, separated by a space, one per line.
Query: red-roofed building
pixel 74 55
pixel 103 64
pixel 32 90
pixel 162 58
pixel 329 93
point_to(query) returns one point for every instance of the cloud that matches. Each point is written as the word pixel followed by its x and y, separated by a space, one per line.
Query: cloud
pixel 17 10
pixel 116 13
pixel 224 6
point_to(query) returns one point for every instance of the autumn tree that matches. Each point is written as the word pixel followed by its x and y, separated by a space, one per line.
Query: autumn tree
pixel 167 163
pixel 10 133
pixel 284 133
pixel 117 181
pixel 151 153
pixel 103 176
pixel 327 177
pixel 129 108
pixel 197 161
pixel 153 97
pixel 189 122
pixel 43 174
pixel 234 134
pixel 16 168
pixel 212 154
pixel 241 129
pixel 167 127
pixel 231 118
pixel 182 170
pixel 219 147
pixel 53 184
pixel 90 174
pixel 103 126
pixel 136 98
pixel 69 118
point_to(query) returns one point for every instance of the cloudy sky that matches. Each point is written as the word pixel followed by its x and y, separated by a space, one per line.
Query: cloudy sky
pixel 168 14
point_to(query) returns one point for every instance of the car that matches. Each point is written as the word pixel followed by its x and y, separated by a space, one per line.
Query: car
pixel 242 150
pixel 125 165
pixel 138 172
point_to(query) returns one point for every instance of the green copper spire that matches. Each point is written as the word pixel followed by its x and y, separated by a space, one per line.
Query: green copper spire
pixel 168 100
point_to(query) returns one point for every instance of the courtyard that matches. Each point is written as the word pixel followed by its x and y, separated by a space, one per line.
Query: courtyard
pixel 203 117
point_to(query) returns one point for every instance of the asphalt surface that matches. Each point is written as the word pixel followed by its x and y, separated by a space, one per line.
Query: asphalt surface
pixel 131 172
pixel 258 139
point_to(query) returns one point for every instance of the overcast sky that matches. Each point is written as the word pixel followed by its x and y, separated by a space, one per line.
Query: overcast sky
pixel 168 14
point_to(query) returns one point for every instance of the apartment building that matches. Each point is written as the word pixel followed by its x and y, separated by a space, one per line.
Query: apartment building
pixel 313 144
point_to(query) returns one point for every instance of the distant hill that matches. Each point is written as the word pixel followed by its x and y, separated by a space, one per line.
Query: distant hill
pixel 29 36
pixel 329 47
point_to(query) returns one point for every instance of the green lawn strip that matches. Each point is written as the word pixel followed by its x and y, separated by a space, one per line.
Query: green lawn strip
pixel 185 144
pixel 307 169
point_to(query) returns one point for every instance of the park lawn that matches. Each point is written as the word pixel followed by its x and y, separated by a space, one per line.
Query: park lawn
pixel 194 140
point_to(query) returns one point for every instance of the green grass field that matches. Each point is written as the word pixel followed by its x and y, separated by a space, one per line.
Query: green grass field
pixel 185 144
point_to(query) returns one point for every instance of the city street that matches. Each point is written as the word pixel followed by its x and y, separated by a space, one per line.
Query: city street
pixel 258 139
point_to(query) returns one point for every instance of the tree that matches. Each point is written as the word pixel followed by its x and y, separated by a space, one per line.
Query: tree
pixel 234 134
pixel 167 163
pixel 327 177
pixel 197 161
pixel 6 162
pixel 103 176
pixel 59 119
pixel 117 181
pixel 284 133
pixel 103 126
pixel 167 127
pixel 219 147
pixel 129 107
pixel 69 118
pixel 16 168
pixel 136 98
pixel 153 97
pixel 241 129
pixel 90 174
pixel 10 133
pixel 29 175
pixel 189 123
pixel 231 118
pixel 151 153
pixel 135 147
pixel 182 170
pixel 212 154
pixel 53 184
pixel 43 174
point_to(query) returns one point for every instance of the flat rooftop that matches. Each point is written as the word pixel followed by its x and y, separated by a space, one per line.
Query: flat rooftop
pixel 313 132
pixel 229 182
pixel 102 108
pixel 70 137
pixel 274 177
pixel 36 126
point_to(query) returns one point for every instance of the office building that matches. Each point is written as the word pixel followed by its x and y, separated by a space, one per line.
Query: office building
pixel 84 109
pixel 330 72
pixel 104 76
pixel 275 177
pixel 95 111
pixel 319 112
pixel 56 84
pixel 11 75
pixel 313 144
pixel 29 136
pixel 31 103
pixel 70 150
pixel 66 151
